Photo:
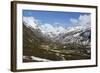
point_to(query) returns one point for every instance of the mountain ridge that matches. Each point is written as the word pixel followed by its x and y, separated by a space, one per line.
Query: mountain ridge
pixel 57 34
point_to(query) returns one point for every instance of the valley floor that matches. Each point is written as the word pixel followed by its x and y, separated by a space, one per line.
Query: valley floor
pixel 57 55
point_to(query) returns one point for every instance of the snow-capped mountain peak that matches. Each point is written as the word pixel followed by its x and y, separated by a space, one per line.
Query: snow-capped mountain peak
pixel 30 22
pixel 51 30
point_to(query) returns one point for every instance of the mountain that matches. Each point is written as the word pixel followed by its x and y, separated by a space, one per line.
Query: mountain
pixel 59 34
pixel 76 36
pixel 48 42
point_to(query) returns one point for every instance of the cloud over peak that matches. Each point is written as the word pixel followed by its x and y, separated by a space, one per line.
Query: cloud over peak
pixel 83 21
